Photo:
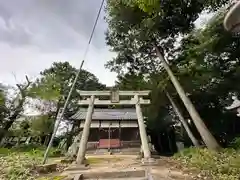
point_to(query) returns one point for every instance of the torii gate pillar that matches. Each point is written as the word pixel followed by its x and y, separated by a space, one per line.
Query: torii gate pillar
pixel 85 134
pixel 142 130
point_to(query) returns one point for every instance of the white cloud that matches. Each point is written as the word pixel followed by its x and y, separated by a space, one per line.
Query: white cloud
pixel 30 61
pixel 36 33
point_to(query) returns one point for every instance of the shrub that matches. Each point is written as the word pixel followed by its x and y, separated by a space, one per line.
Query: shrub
pixel 236 143
pixel 19 162
pixel 224 165
pixel 32 149
pixel 55 152
pixel 18 166
pixel 27 147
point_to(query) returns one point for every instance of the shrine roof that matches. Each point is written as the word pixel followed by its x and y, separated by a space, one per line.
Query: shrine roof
pixel 107 114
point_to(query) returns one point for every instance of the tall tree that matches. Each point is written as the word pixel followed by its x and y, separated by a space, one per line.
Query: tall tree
pixel 135 27
pixel 52 88
pixel 209 64
pixel 55 82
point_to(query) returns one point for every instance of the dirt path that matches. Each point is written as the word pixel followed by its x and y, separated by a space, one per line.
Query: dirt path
pixel 115 163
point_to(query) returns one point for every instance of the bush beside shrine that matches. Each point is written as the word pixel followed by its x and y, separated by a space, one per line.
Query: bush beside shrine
pixel 223 165
pixel 20 162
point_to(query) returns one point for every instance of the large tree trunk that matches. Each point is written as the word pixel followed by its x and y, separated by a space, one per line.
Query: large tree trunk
pixel 207 137
pixel 182 120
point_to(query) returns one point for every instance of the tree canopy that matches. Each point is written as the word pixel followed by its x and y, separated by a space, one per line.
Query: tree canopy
pixel 53 86
pixel 133 31
pixel 204 60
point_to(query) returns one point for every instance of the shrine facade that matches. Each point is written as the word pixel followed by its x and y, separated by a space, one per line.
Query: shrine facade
pixel 111 128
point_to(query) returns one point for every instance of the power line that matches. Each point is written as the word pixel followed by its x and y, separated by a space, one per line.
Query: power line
pixel 61 112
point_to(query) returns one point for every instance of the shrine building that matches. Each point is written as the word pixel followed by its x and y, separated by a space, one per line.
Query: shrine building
pixel 111 128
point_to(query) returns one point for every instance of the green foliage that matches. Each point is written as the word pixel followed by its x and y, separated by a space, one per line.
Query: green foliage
pixel 132 82
pixel 2 98
pixel 236 143
pixel 27 148
pixel 47 88
pixel 55 82
pixel 51 90
pixel 135 25
pixel 154 6
pixel 39 126
pixel 133 29
pixel 149 6
pixel 18 166
pixel 206 61
pixel 3 107
pixel 19 162
pixel 224 165
pixel 53 86
pixel 42 125
pixel 32 149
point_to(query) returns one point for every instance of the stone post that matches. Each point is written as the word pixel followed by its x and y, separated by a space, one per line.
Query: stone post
pixel 142 130
pixel 207 137
pixel 182 120
pixel 85 133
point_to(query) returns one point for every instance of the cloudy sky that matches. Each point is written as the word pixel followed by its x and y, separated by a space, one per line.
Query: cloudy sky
pixel 35 33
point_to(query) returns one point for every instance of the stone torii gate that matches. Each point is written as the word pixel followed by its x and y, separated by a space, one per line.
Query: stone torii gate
pixel 114 96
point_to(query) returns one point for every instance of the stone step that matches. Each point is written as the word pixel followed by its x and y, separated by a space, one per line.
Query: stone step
pixel 141 178
pixel 80 177
pixel 109 175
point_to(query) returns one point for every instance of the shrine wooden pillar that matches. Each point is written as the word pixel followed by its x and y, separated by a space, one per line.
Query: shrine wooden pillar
pixel 119 135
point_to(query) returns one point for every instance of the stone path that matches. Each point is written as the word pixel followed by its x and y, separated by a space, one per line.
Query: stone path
pixel 125 167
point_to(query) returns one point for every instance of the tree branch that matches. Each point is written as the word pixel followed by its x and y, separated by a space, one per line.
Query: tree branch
pixel 23 88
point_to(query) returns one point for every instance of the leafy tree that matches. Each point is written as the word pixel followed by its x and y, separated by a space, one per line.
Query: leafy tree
pixel 209 66
pixel 133 30
pixel 51 89
pixel 19 129
pixel 12 107
pixel 42 127
pixel 154 6
pixel 137 30
pixel 3 108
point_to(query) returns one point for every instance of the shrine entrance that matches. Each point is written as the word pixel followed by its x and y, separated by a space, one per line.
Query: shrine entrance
pixel 109 138
pixel 104 128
